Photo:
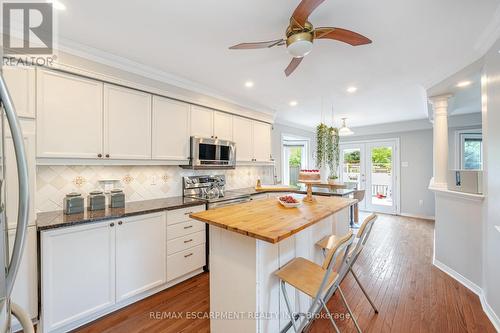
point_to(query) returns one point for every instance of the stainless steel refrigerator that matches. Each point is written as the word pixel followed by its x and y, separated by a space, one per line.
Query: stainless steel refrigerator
pixel 10 266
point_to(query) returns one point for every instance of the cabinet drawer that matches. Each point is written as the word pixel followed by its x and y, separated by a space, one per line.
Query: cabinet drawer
pixel 185 262
pixel 181 215
pixel 184 228
pixel 185 242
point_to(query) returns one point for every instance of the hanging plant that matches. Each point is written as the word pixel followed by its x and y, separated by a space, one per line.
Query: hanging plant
pixel 321 145
pixel 333 153
pixel 327 148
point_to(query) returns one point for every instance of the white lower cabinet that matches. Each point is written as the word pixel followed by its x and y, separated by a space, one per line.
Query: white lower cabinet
pixel 78 273
pixel 186 243
pixel 25 292
pixel 186 261
pixel 92 269
pixel 140 254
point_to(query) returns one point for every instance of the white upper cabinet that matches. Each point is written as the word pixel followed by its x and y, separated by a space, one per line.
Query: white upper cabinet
pixel 81 118
pixel 262 141
pixel 69 116
pixel 141 254
pixel 11 180
pixel 21 83
pixel 127 123
pixel 242 136
pixel 202 122
pixel 170 129
pixel 223 126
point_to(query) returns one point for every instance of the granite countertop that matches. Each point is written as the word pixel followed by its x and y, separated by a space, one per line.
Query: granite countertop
pixel 57 219
pixel 301 190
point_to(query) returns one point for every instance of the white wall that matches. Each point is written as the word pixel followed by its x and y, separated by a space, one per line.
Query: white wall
pixel 491 135
pixel 416 150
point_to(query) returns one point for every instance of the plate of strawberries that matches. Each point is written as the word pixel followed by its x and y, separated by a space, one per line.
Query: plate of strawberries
pixel 289 201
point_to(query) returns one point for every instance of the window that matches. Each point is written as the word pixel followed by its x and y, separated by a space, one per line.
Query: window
pixel 294 159
pixel 470 152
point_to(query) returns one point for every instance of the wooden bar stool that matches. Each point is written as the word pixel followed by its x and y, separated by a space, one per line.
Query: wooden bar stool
pixel 318 282
pixel 362 236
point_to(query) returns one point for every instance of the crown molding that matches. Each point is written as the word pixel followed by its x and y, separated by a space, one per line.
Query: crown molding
pixel 118 62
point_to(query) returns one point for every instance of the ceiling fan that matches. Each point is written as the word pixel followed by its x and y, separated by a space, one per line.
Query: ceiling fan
pixel 300 35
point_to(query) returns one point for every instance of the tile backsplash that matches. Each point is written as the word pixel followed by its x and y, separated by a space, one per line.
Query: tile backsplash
pixel 138 182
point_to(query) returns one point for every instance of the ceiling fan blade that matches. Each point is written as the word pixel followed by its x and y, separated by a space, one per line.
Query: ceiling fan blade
pixel 304 9
pixel 343 35
pixel 293 65
pixel 257 45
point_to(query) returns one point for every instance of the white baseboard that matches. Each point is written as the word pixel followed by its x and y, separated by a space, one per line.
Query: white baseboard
pixel 459 277
pixel 472 287
pixel 416 216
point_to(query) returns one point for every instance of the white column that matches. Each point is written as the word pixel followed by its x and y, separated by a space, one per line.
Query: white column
pixel 440 158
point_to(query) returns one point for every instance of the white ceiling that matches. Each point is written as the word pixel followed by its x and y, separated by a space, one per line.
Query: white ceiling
pixel 416 43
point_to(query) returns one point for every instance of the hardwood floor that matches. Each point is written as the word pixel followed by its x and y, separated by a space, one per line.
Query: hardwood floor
pixel 396 269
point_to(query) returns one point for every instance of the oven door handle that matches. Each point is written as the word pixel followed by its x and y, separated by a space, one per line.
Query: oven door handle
pixel 229 202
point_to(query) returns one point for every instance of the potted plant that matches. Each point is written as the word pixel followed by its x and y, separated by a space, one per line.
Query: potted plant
pixel 332 179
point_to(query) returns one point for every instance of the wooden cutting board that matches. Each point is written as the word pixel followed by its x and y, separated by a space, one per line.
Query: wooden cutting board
pixel 275 188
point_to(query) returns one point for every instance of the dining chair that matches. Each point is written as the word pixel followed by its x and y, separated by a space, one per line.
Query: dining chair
pixel 352 256
pixel 317 281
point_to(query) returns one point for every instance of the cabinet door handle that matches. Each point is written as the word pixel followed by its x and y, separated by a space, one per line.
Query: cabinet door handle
pixel 188 213
pixel 188 255
pixel 99 155
pixel 187 227
pixel 111 224
pixel 120 223
pixel 107 155
pixel 188 241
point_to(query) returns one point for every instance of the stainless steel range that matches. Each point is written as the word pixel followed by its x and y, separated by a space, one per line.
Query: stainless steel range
pixel 212 189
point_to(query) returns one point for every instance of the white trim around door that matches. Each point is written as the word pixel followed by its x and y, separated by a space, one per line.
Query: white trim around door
pixel 363 176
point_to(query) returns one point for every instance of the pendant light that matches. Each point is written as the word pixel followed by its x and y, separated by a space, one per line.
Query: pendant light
pixel 344 130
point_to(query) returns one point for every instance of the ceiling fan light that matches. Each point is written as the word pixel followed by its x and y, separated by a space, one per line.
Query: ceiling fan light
pixel 299 45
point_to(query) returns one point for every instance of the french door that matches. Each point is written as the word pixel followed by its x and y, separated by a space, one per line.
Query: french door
pixel 372 166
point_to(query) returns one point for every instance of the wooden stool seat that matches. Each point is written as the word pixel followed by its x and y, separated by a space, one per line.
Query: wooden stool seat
pixel 354 251
pixel 328 242
pixel 305 276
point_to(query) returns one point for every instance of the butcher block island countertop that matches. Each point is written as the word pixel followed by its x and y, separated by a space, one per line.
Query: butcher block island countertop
pixel 268 220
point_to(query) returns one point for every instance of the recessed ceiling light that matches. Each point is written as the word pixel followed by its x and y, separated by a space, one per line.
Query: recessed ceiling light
pixel 293 103
pixel 463 84
pixel 352 90
pixel 249 84
pixel 57 4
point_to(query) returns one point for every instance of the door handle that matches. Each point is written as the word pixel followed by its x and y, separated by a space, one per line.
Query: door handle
pixel 23 180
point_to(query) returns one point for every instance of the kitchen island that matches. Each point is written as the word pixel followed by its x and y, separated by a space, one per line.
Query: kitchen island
pixel 248 243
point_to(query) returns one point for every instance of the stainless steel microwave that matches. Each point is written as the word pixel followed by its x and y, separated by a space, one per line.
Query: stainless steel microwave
pixel 210 153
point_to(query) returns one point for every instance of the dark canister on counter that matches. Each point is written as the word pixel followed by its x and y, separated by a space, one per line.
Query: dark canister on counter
pixel 117 198
pixel 73 203
pixel 96 200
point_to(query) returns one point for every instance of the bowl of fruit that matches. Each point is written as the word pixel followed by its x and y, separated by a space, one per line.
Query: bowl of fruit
pixel 289 201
